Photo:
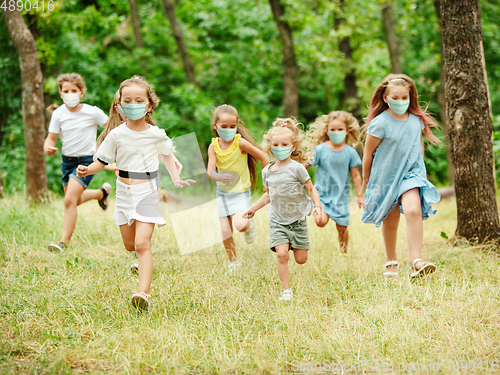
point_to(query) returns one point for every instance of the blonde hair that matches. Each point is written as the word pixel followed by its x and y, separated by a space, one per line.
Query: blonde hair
pixel 71 78
pixel 245 134
pixel 114 119
pixel 290 126
pixel 377 105
pixel 152 97
pixel 318 130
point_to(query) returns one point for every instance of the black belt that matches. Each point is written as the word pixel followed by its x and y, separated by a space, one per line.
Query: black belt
pixel 138 175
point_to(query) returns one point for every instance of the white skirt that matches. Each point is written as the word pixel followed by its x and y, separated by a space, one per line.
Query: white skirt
pixel 230 203
pixel 137 202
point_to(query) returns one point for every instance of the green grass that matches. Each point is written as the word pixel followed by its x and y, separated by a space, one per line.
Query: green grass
pixel 70 313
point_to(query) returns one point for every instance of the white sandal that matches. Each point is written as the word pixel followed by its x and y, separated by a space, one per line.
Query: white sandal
pixel 140 301
pixel 391 273
pixel 422 271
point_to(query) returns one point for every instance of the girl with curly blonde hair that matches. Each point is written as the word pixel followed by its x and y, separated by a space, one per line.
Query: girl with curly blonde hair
pixel 333 136
pixel 286 184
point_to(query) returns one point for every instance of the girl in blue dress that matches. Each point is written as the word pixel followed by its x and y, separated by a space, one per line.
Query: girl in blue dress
pixel 333 136
pixel 394 172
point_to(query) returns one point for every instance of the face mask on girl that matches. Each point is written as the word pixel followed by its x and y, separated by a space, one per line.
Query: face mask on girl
pixel 71 100
pixel 399 107
pixel 281 153
pixel 120 112
pixel 134 111
pixel 227 134
pixel 337 137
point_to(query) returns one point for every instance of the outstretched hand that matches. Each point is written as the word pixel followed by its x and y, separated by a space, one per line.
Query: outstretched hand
pixel 317 211
pixel 181 183
pixel 361 202
pixel 248 214
pixel 50 150
pixel 81 171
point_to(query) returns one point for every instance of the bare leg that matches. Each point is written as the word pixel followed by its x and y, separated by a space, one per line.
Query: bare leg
pixel 282 260
pixel 227 237
pixel 343 238
pixel 412 210
pixel 300 255
pixel 128 236
pixel 72 194
pixel 390 234
pixel 240 224
pixel 90 194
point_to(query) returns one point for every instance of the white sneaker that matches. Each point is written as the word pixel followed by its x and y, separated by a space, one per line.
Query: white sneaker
pixel 250 232
pixel 233 268
pixel 140 301
pixel 134 268
pixel 286 295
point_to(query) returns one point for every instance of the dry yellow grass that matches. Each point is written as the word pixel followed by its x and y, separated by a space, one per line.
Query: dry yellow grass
pixel 70 312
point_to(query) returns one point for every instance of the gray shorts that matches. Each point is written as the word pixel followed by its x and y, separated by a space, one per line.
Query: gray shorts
pixel 294 234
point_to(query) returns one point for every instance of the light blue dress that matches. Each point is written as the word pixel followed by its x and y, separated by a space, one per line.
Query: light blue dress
pixel 332 180
pixel 398 166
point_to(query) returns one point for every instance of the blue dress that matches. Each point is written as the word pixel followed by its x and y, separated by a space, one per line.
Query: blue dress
pixel 332 180
pixel 398 166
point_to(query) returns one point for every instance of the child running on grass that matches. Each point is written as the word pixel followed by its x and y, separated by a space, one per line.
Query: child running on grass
pixel 76 124
pixel 234 154
pixel 286 184
pixel 136 145
pixel 332 136
pixel 394 171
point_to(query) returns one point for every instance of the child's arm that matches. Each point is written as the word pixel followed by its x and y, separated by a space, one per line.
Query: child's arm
pixel 358 184
pixel 225 178
pixel 370 147
pixel 263 200
pixel 313 193
pixel 50 143
pixel 307 165
pixel 109 167
pixel 169 162
pixel 93 168
pixel 247 147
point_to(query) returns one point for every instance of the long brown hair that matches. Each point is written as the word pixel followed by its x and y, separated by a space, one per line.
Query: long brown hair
pixel 291 126
pixel 377 105
pixel 114 119
pixel 318 130
pixel 245 134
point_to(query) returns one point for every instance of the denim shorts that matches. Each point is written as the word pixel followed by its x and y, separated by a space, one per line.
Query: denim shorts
pixel 69 165
pixel 295 234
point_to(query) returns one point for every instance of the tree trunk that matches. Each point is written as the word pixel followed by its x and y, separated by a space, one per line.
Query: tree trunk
pixel 469 116
pixel 33 111
pixel 390 37
pixel 136 23
pixel 179 38
pixel 290 84
pixel 441 99
pixel 351 100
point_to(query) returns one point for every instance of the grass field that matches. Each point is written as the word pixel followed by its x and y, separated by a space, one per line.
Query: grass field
pixel 70 312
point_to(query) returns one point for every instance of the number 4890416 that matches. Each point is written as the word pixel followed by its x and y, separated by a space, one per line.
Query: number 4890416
pixel 27 5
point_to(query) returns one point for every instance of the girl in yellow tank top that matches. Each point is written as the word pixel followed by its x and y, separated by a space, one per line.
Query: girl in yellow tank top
pixel 232 162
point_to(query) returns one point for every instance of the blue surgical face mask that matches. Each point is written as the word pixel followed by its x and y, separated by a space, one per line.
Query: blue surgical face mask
pixel 399 107
pixel 337 137
pixel 226 134
pixel 134 111
pixel 281 153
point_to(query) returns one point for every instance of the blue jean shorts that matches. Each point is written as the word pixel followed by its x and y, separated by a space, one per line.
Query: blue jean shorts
pixel 69 165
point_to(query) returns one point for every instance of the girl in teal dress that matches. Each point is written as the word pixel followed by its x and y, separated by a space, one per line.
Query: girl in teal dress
pixel 394 172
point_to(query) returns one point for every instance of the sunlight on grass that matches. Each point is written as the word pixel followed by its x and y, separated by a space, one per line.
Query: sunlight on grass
pixel 70 312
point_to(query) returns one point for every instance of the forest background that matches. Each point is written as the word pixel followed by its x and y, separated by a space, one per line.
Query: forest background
pixel 237 58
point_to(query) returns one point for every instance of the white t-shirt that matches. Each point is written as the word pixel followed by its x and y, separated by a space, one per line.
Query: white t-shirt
pixel 135 151
pixel 78 130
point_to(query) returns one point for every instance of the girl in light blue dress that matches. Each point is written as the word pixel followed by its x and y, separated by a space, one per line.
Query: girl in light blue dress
pixel 333 136
pixel 394 172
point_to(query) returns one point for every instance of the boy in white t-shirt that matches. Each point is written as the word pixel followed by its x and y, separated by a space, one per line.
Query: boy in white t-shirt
pixel 76 124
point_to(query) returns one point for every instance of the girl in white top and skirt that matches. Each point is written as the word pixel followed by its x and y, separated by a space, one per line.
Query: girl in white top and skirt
pixel 136 145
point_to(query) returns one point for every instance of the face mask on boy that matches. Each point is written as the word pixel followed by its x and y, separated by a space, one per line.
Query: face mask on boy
pixel 71 100
pixel 281 153
pixel 134 111
pixel 337 137
pixel 399 107
pixel 226 134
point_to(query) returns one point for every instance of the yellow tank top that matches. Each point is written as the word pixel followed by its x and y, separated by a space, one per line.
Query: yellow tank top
pixel 232 161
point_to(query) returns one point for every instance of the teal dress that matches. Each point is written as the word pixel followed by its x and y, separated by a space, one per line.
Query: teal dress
pixel 398 166
pixel 332 180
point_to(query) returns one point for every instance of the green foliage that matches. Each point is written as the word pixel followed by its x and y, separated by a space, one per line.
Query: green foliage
pixel 237 54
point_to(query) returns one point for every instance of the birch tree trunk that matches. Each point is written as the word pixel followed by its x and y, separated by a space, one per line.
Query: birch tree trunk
pixel 33 111
pixel 469 114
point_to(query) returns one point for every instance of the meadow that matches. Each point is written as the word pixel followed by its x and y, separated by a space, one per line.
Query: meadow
pixel 69 312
